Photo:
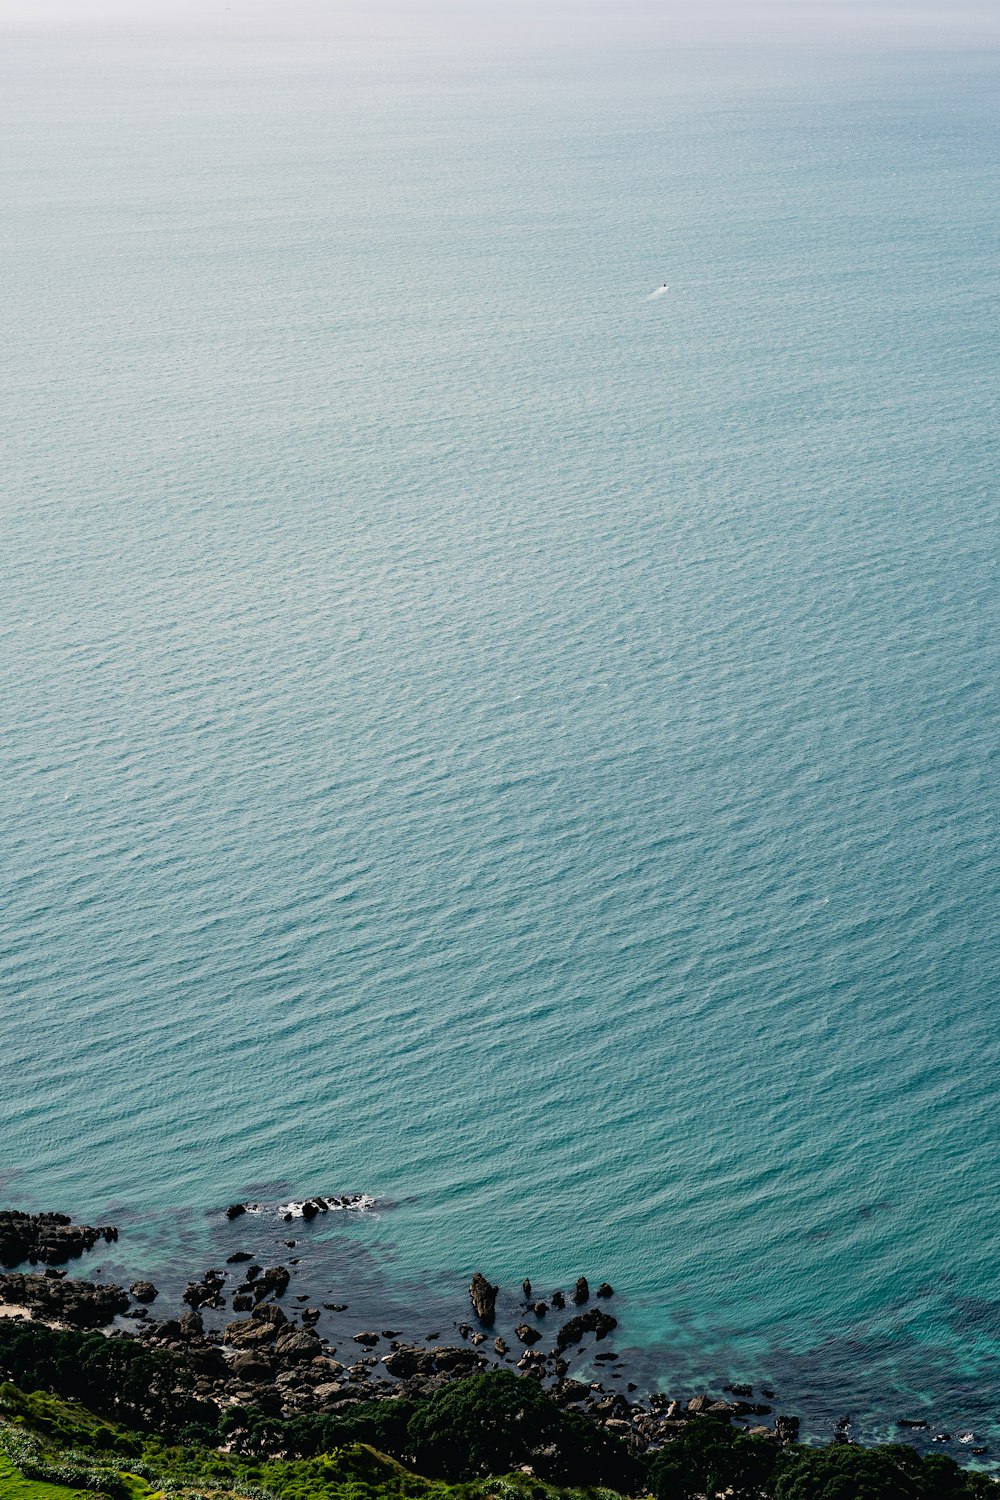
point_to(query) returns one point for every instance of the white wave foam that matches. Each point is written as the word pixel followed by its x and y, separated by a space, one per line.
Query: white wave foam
pixel 658 293
pixel 358 1203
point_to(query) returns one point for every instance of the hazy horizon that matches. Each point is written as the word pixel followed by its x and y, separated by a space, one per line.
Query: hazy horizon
pixel 677 22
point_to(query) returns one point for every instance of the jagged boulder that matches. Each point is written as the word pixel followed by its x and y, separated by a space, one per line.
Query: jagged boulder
pixel 483 1297
pixel 253 1368
pixel 297 1344
pixel 274 1279
pixel 261 1328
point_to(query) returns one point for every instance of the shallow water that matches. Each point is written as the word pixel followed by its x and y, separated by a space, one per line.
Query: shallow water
pixel 480 736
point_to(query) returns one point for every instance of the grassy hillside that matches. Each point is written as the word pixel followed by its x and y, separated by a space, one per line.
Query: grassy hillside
pixel 51 1449
pixel 472 1437
pixel 14 1486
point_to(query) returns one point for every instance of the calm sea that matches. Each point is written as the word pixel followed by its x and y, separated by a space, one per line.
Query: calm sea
pixel 479 734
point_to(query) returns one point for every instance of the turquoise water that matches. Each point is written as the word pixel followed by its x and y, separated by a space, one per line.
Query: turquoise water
pixel 480 736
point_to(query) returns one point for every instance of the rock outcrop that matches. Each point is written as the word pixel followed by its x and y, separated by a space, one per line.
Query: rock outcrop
pixel 81 1304
pixel 49 1239
pixel 594 1321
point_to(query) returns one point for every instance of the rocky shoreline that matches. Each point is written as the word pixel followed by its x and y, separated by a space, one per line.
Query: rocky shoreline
pixel 249 1339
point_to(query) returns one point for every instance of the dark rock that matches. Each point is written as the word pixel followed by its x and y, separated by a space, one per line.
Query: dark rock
pixel 605 1289
pixel 309 1211
pixel 911 1422
pixel 531 1359
pixel 483 1297
pixel 310 1315
pixel 202 1294
pixel 594 1321
pixel 499 1345
pixel 526 1288
pixel 368 1339
pixel 572 1391
pixel 612 1406
pixel 540 1309
pixel 581 1292
pixel 143 1291
pixel 739 1390
pixel 242 1302
pixel 558 1300
pixel 191 1325
pixel 252 1368
pixel 786 1429
pixel 235 1210
pixel 274 1279
pixel 458 1361
pixel 527 1334
pixel 298 1344
pixel 238 1258
pixel 407 1362
pixel 262 1327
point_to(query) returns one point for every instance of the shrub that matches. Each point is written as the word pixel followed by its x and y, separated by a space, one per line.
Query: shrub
pixel 894 1472
pixel 709 1456
pixel 497 1421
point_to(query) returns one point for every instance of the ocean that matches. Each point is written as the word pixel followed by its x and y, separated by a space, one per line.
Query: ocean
pixel 482 735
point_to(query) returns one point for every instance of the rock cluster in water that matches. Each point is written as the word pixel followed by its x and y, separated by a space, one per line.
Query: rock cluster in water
pixel 282 1366
pixel 46 1239
pixel 277 1361
pixel 306 1208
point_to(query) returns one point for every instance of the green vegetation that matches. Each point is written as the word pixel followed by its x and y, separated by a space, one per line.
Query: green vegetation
pixel 890 1473
pixel 710 1456
pixel 51 1449
pixel 13 1486
pixel 497 1436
